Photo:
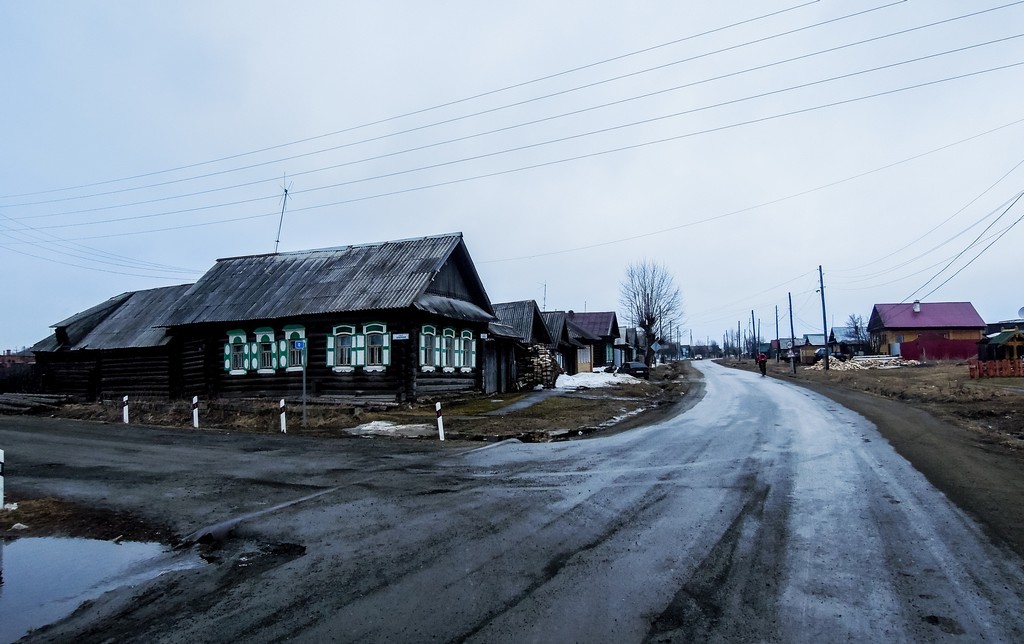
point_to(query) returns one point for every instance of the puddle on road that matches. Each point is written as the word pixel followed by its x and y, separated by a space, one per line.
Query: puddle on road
pixel 44 579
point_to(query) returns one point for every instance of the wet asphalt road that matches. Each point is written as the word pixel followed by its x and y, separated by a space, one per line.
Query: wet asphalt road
pixel 764 513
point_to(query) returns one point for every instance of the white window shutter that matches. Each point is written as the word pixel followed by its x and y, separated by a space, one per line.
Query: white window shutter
pixel 330 351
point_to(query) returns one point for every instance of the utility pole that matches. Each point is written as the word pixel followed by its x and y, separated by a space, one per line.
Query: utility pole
pixel 778 345
pixel 753 331
pixel 824 320
pixel 792 333
pixel 738 340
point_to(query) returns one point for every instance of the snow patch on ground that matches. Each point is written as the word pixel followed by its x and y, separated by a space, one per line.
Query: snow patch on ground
pixel 386 428
pixel 594 380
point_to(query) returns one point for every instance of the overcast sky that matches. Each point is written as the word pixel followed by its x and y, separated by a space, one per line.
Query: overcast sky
pixel 739 144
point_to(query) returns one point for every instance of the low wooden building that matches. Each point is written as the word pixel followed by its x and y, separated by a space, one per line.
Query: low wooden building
pixel 1007 344
pixel 116 348
pixel 603 327
pixel 389 321
pixel 523 329
pixel 572 354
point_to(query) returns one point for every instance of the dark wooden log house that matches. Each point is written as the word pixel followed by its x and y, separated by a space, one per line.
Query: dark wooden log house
pixel 390 321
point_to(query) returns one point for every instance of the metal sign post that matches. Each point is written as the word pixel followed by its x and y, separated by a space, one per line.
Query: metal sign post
pixel 301 344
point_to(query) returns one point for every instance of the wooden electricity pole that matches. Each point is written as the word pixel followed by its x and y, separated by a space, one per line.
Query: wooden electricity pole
pixel 824 320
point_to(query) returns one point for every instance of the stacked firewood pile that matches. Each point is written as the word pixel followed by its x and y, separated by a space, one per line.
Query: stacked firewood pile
pixel 538 367
pixel 866 362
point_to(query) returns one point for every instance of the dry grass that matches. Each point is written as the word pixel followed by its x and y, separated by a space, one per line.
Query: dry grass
pixel 466 417
pixel 993 407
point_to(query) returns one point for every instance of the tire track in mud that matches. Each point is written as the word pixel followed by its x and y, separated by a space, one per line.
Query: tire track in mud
pixel 735 578
pixel 557 562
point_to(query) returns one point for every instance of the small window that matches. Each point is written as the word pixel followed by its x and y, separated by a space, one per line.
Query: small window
pixel 378 346
pixel 467 351
pixel 266 355
pixel 374 349
pixel 294 347
pixel 448 349
pixel 428 347
pixel 295 352
pixel 343 350
pixel 263 353
pixel 236 353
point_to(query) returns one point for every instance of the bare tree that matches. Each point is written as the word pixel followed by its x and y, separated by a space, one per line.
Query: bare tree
pixel 651 300
pixel 858 329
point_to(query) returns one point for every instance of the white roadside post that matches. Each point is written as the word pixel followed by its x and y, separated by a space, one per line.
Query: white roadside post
pixel 440 420
pixel 124 409
pixel 1 480
pixel 284 424
pixel 195 412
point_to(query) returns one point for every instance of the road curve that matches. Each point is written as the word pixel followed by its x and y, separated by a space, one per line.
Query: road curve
pixel 766 512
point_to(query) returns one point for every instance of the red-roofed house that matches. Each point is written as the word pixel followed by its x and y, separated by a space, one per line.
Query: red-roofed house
pixel 927 330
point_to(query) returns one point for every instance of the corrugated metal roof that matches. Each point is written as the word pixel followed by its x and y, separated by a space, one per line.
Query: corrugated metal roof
pixel 936 315
pixel 128 321
pixel 137 323
pixel 524 316
pixel 601 324
pixel 379 276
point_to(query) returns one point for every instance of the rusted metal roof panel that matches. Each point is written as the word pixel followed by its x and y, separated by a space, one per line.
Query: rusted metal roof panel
pixel 380 276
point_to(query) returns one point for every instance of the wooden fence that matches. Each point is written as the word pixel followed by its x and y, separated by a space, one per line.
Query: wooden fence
pixel 996 368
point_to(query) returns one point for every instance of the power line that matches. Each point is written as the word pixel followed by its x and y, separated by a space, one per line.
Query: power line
pixel 481 113
pixel 943 222
pixel 532 122
pixel 428 109
pixel 969 246
pixel 593 154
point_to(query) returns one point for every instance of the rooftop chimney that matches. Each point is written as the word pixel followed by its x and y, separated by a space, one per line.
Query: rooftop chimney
pixel 917 306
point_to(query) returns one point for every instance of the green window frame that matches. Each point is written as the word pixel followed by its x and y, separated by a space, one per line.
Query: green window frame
pixel 429 350
pixel 376 347
pixel 341 354
pixel 467 350
pixel 292 357
pixel 264 351
pixel 236 353
pixel 448 349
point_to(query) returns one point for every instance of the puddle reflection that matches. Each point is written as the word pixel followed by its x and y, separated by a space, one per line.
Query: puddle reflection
pixel 44 579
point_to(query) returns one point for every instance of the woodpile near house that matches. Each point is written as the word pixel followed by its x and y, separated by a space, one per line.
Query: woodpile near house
pixel 538 367
pixel 864 362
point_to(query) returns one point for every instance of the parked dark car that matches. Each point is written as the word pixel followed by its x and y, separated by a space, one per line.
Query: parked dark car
pixel 820 353
pixel 638 369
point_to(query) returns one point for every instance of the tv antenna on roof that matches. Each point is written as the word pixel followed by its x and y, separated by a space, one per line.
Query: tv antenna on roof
pixel 284 202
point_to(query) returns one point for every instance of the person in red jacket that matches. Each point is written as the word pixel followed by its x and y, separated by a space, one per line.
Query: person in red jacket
pixel 762 363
